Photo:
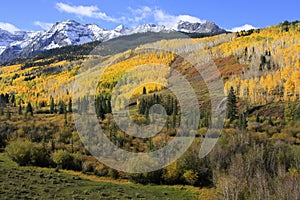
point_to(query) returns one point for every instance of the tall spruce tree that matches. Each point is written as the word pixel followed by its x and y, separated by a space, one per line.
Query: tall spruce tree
pixel 29 109
pixel 231 105
pixel 70 105
pixel 144 90
pixel 20 110
pixel 52 105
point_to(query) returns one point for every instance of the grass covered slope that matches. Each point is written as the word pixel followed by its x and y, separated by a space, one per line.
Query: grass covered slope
pixel 38 183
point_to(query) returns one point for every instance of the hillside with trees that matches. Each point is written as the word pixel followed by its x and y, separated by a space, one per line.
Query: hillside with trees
pixel 257 155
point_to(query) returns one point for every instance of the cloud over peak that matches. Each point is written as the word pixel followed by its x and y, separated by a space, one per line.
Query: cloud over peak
pixel 85 11
pixel 168 20
pixel 135 16
pixel 246 27
pixel 43 25
pixel 8 27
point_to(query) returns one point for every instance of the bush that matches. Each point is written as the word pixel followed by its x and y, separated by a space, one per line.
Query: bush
pixel 190 177
pixel 62 159
pixel 147 177
pixel 66 160
pixel 77 161
pixel 112 173
pixel 172 173
pixel 25 152
pixel 87 166
pixel 100 170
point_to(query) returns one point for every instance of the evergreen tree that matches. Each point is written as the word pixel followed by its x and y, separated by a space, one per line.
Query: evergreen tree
pixel 231 105
pixel 8 115
pixel 257 118
pixel 65 118
pixel 20 111
pixel 52 105
pixel 13 100
pixel 142 107
pixel 70 105
pixel 29 109
pixel 243 123
pixel 1 111
pixel 297 115
pixel 144 90
pixel 62 107
pixel 270 121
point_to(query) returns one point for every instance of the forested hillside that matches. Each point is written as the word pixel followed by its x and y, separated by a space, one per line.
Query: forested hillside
pixel 258 154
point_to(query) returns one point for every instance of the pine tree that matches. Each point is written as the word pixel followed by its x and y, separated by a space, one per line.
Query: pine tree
pixel 270 121
pixel 297 114
pixel 243 123
pixel 29 109
pixel 8 115
pixel 65 118
pixel 70 105
pixel 257 118
pixel 62 107
pixel 231 105
pixel 20 110
pixel 52 105
pixel 1 111
pixel 13 100
pixel 144 90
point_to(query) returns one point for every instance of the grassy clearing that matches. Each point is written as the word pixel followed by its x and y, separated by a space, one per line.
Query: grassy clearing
pixel 38 183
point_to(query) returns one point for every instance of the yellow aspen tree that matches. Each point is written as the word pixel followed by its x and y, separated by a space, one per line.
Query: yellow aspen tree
pixel 296 80
pixel 289 88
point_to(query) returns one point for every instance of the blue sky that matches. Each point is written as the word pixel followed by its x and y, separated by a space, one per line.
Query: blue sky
pixel 39 14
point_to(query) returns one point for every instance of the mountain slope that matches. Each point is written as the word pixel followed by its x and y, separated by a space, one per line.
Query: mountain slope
pixel 70 32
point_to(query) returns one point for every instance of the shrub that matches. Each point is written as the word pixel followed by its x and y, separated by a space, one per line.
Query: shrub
pixel 147 177
pixel 25 152
pixel 87 166
pixel 190 177
pixel 172 173
pixel 77 161
pixel 66 160
pixel 101 170
pixel 62 159
pixel 112 173
pixel 39 156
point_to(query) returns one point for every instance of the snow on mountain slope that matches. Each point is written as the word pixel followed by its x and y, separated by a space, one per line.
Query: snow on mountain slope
pixel 70 32
pixel 147 28
pixel 205 27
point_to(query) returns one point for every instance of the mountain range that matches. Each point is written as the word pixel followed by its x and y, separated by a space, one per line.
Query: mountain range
pixel 69 32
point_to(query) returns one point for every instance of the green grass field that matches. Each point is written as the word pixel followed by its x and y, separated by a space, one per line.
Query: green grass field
pixel 38 183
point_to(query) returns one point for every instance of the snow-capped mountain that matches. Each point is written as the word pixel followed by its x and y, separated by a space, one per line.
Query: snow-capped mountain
pixel 70 32
pixel 188 27
pixel 6 38
pixel 148 28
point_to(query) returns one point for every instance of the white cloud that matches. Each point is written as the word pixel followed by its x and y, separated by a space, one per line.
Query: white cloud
pixel 246 27
pixel 160 17
pixel 43 25
pixel 8 27
pixel 140 14
pixel 135 15
pixel 168 20
pixel 85 11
